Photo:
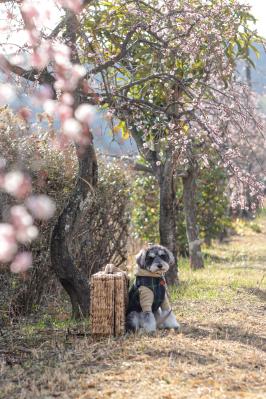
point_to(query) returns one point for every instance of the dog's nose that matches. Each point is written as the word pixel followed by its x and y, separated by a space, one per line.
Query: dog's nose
pixel 160 266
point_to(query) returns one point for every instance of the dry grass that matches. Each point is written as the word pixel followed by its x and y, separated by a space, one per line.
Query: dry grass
pixel 220 352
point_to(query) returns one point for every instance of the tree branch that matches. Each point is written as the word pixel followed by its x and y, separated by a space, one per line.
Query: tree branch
pixel 143 168
pixel 33 74
pixel 117 58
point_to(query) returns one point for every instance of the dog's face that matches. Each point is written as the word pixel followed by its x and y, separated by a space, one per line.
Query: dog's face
pixel 155 258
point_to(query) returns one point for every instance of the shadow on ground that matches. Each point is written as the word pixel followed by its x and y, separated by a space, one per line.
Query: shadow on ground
pixel 258 292
pixel 227 333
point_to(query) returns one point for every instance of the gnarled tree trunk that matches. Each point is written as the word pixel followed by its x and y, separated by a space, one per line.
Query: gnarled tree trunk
pixel 72 279
pixel 189 199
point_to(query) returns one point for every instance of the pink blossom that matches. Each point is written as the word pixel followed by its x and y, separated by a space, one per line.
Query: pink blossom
pixel 33 36
pixel 74 5
pixel 109 115
pixel 65 112
pixel 23 224
pixel 26 235
pixel 72 129
pixel 41 206
pixel 8 246
pixel 25 113
pixel 61 54
pixel 43 93
pixel 79 71
pixel 20 216
pixel 21 263
pixel 7 93
pixel 29 9
pixel 17 184
pixel 50 107
pixel 85 113
pixel 2 163
pixel 67 99
pixel 41 56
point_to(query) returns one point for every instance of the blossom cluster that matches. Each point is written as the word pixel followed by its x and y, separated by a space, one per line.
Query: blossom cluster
pixel 40 53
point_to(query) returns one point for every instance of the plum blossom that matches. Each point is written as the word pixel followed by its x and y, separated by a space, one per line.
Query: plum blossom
pixel 67 99
pixel 41 56
pixel 72 129
pixel 65 112
pixel 29 9
pixel 23 224
pixel 7 93
pixel 61 54
pixel 17 184
pixel 8 245
pixel 42 94
pixel 50 107
pixel 25 113
pixel 74 5
pixel 85 113
pixel 21 263
pixel 41 206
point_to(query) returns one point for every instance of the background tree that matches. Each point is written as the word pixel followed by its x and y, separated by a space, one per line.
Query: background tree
pixel 212 203
pixel 169 73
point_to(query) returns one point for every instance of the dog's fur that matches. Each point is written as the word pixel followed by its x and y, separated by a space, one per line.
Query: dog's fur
pixel 155 261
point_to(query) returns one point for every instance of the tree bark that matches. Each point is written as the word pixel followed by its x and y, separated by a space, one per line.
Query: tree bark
pixel 167 221
pixel 73 280
pixel 189 198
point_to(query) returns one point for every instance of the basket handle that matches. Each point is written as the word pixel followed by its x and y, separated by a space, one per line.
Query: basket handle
pixel 109 268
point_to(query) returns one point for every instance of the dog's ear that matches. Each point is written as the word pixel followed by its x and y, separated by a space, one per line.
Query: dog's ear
pixel 140 257
pixel 171 257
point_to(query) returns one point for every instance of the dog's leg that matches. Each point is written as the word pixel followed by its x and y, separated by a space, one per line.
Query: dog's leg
pixel 158 317
pixel 148 322
pixel 133 321
pixel 170 321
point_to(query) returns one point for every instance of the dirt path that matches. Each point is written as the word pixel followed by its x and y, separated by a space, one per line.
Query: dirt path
pixel 220 353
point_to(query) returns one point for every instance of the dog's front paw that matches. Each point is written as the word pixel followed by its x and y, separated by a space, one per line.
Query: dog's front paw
pixel 133 321
pixel 169 320
pixel 148 322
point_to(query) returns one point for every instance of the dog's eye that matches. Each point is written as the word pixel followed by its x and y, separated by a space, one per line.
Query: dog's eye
pixel 164 257
pixel 149 260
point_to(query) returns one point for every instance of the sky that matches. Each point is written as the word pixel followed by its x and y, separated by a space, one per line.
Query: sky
pixel 259 12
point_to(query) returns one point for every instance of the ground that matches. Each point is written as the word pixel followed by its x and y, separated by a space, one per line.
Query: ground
pixel 220 352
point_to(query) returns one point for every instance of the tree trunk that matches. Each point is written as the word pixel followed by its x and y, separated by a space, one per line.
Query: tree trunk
pixel 167 221
pixel 72 279
pixel 189 198
pixel 168 207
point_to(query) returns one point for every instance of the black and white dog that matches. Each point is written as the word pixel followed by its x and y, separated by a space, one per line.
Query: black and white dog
pixel 148 306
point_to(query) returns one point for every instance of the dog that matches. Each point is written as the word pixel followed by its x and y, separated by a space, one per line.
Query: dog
pixel 148 305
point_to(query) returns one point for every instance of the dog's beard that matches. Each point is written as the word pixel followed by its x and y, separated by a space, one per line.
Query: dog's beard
pixel 154 268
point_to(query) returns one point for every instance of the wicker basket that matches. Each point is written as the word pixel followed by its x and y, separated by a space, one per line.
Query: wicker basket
pixel 109 295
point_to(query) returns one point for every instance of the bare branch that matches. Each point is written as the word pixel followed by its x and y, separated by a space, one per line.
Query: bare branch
pixel 32 74
pixel 143 168
pixel 118 57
